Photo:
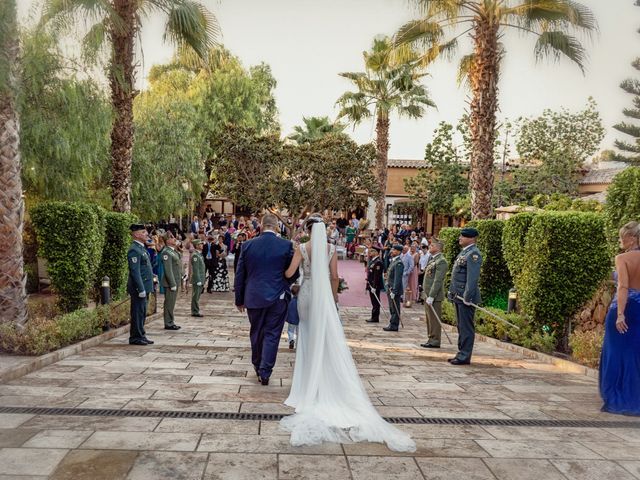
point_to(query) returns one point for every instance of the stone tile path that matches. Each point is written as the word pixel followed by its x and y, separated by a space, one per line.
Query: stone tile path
pixel 206 367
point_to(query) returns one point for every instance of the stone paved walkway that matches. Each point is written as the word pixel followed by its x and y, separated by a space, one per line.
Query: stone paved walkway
pixel 206 367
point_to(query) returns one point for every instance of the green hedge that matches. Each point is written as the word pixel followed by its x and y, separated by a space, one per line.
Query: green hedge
pixel 70 237
pixel 623 203
pixel 449 237
pixel 495 279
pixel 565 260
pixel 514 236
pixel 114 254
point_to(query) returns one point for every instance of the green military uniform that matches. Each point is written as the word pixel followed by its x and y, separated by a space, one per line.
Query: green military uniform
pixel 170 281
pixel 433 288
pixel 197 281
pixel 394 285
pixel 464 283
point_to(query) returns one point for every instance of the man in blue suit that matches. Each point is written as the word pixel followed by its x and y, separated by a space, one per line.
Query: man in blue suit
pixel 139 284
pixel 262 289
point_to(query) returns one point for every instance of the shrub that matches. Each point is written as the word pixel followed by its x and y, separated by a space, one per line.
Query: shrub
pixel 527 336
pixel 587 346
pixel 623 203
pixel 114 253
pixel 566 260
pixel 449 236
pixel 514 236
pixel 495 279
pixel 44 334
pixel 70 236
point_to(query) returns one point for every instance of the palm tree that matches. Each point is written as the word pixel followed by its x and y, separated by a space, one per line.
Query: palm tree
pixel 118 22
pixel 315 128
pixel 486 22
pixel 13 300
pixel 387 86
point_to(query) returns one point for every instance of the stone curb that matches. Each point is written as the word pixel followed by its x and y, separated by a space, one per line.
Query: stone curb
pixel 47 359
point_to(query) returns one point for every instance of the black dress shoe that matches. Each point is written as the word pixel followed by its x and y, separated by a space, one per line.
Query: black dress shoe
pixel 264 381
pixel 292 344
pixel 428 345
pixel 149 342
pixel 371 320
pixel 138 342
pixel 452 359
pixel 455 361
pixel 197 315
pixel 172 327
pixel 389 328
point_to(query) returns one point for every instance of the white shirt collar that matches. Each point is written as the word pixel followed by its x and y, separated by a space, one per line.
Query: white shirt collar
pixel 468 247
pixel 139 243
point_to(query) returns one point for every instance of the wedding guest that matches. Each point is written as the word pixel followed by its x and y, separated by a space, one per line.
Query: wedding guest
pixel 210 260
pixel 237 249
pixel 412 284
pixel 408 263
pixel 221 275
pixel 350 233
pixel 342 223
pixel 620 358
pixel 209 212
pixel 195 225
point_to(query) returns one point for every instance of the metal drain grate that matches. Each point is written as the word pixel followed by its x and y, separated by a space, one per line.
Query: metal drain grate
pixel 98 412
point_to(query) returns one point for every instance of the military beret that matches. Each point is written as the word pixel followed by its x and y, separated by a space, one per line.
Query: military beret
pixel 469 232
pixel 196 242
pixel 134 227
pixel 398 247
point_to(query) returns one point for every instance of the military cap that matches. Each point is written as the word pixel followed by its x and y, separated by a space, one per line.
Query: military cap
pixel 398 247
pixel 469 232
pixel 134 227
pixel 196 242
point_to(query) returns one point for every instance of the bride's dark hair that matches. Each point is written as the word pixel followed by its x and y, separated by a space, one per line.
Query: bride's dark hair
pixel 311 219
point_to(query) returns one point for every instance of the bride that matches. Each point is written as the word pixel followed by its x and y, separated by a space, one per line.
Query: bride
pixel 331 404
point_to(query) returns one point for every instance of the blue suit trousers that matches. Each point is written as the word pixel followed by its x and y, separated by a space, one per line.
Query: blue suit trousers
pixel 266 328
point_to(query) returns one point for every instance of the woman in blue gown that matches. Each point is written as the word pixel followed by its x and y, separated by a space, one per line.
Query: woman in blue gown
pixel 620 358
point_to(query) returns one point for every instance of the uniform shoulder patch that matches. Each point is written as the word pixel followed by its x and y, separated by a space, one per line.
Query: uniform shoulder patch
pixel 165 257
pixel 134 259
pixel 475 257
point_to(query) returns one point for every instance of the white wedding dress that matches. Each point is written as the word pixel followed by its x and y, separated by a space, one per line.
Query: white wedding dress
pixel 331 404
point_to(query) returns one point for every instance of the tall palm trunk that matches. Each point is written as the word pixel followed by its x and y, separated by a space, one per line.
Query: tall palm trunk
pixel 484 103
pixel 13 300
pixel 121 80
pixel 382 145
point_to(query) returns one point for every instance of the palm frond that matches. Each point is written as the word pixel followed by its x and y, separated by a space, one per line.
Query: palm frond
pixel 8 35
pixel 557 44
pixel 94 41
pixel 190 23
pixel 464 69
pixel 558 15
pixel 446 8
pixel 62 15
pixel 424 33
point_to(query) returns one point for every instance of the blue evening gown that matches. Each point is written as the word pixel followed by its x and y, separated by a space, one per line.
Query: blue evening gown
pixel 620 360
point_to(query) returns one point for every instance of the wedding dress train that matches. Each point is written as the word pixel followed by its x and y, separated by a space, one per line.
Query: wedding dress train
pixel 330 401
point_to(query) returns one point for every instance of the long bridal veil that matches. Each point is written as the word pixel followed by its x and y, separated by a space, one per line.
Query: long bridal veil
pixel 331 403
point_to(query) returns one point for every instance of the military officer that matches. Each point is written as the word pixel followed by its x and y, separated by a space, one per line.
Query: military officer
pixel 464 283
pixel 375 281
pixel 139 284
pixel 433 290
pixel 197 277
pixel 170 280
pixel 394 288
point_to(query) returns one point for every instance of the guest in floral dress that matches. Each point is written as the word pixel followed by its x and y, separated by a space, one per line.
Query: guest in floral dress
pixel 220 274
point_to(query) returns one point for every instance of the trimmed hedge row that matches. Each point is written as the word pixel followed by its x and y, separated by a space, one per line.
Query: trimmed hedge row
pixel 564 261
pixel 82 243
pixel 114 253
pixel 623 203
pixel 495 279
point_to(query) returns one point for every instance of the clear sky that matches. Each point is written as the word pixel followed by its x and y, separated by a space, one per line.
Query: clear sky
pixel 307 43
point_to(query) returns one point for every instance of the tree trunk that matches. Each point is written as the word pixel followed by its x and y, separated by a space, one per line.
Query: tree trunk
pixel 121 81
pixel 382 147
pixel 484 103
pixel 13 299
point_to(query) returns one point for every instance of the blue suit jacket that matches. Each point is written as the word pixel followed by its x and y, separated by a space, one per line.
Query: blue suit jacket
pixel 260 279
